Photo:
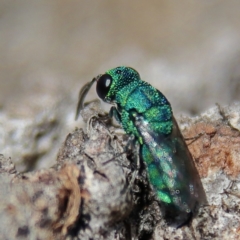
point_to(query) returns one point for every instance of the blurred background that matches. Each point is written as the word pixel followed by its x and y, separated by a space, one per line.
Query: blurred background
pixel 189 50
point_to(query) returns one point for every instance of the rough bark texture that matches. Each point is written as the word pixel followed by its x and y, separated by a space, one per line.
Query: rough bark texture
pixel 87 194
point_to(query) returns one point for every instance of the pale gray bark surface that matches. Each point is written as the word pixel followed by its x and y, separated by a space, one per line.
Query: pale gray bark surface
pixel 87 195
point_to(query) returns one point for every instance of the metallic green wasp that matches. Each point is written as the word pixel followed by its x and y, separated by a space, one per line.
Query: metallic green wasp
pixel 146 115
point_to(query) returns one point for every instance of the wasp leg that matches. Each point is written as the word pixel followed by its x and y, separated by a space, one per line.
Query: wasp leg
pixel 133 146
pixel 114 113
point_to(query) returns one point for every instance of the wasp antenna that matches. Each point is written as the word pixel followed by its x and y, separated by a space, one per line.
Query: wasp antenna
pixel 81 97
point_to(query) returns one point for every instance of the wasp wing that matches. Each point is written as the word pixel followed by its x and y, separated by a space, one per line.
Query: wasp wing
pixel 172 171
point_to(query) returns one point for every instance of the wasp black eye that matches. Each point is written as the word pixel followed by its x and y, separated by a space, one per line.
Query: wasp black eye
pixel 119 71
pixel 103 85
